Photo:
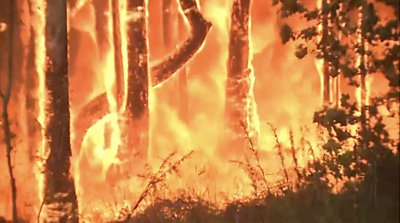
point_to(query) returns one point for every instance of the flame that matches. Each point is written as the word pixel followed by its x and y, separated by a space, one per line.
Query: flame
pixel 283 92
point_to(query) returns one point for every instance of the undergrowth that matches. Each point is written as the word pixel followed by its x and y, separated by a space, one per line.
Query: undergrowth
pixel 345 183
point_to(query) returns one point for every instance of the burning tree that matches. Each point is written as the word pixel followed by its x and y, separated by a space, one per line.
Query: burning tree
pixel 136 105
pixel 60 201
pixel 240 104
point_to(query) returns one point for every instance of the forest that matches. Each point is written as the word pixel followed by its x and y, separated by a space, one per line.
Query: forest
pixel 142 111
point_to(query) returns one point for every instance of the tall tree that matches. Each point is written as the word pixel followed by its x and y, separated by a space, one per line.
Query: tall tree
pixel 60 201
pixel 240 105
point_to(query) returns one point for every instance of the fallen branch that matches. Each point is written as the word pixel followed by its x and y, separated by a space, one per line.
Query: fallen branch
pixel 199 28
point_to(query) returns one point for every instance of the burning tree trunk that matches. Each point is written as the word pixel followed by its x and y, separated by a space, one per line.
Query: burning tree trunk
pixel 137 110
pixel 60 201
pixel 172 31
pixel 240 105
pixel 118 61
pixel 137 81
pixel 331 91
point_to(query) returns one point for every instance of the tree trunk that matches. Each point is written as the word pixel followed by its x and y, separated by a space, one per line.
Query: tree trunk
pixel 173 27
pixel 137 110
pixel 240 105
pixel 60 202
pixel 118 61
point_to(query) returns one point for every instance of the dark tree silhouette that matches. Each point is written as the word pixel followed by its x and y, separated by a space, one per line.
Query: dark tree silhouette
pixel 60 201
pixel 239 105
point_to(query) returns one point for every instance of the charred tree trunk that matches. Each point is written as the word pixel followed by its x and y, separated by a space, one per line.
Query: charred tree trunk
pixel 199 29
pixel 137 110
pixel 240 105
pixel 60 202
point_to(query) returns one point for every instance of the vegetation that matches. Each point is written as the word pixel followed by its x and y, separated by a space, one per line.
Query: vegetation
pixel 357 177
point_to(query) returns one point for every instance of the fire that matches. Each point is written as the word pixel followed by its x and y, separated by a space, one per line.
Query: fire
pixel 278 89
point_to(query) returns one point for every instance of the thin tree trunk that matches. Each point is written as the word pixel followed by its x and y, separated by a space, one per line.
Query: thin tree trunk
pixel 6 97
pixel 96 109
pixel 137 110
pixel 326 69
pixel 118 61
pixel 240 106
pixel 60 202
pixel 173 27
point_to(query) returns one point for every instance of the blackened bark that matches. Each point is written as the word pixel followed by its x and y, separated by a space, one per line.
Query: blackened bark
pixel 136 127
pixel 199 29
pixel 60 204
pixel 138 83
pixel 240 106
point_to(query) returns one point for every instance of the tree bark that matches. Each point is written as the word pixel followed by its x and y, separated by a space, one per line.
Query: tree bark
pixel 137 110
pixel 118 61
pixel 60 201
pixel 96 109
pixel 240 105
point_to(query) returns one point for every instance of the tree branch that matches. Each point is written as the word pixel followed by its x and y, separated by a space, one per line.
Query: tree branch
pixel 199 28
